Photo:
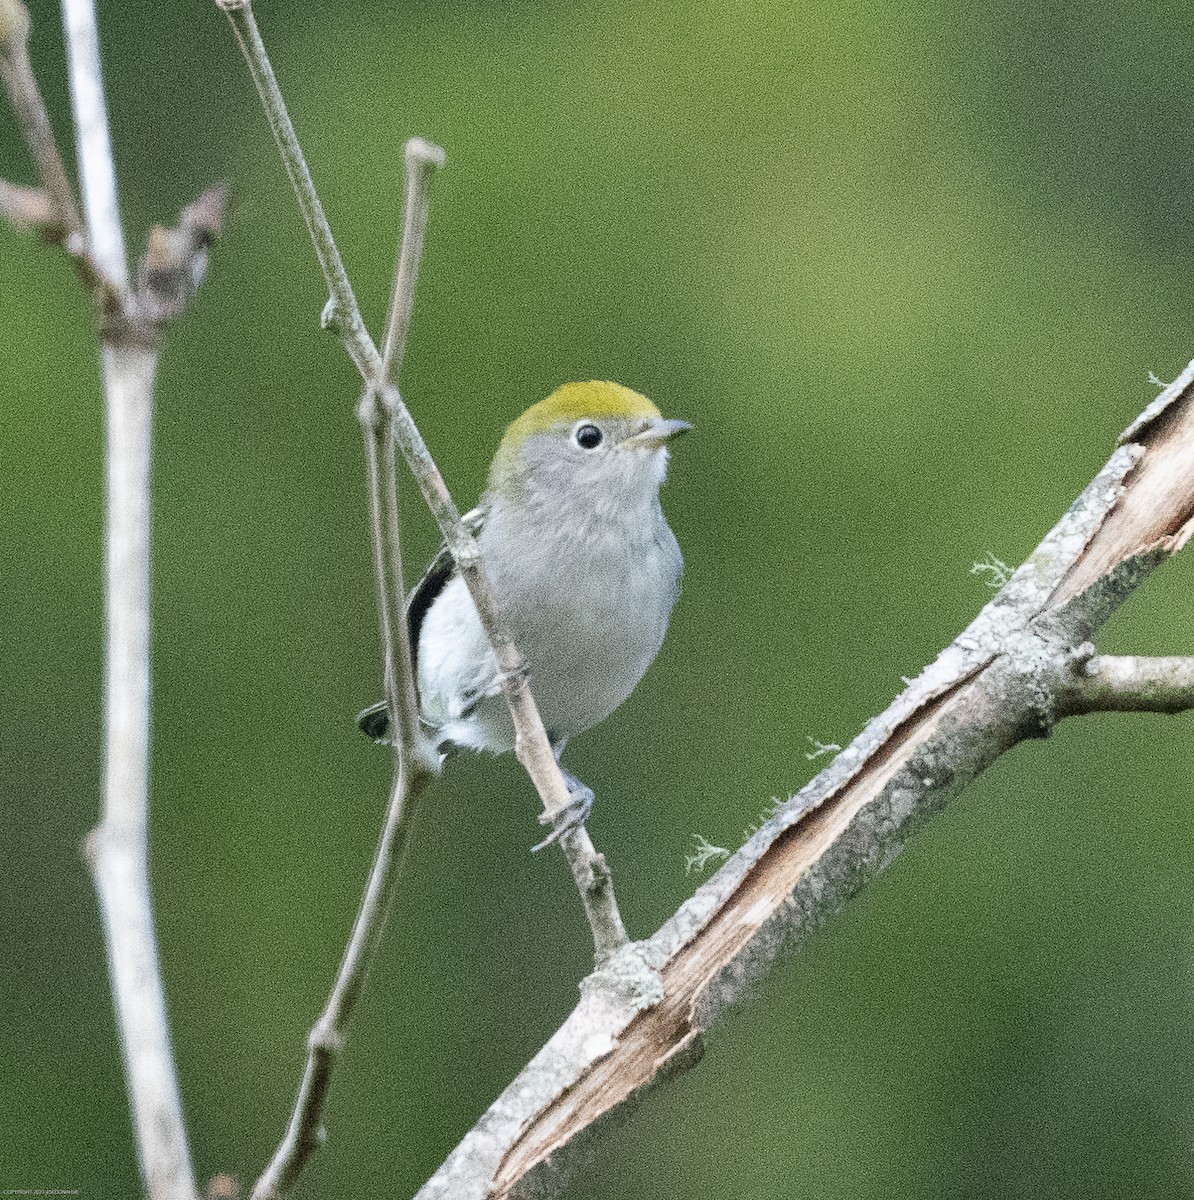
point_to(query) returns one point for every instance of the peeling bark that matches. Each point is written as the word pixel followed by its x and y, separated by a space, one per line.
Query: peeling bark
pixel 1008 676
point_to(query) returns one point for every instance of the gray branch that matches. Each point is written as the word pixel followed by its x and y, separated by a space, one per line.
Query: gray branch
pixel 1129 683
pixel 117 849
pixel 1020 666
pixel 93 143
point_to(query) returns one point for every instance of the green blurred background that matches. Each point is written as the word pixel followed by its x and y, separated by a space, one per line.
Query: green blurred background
pixel 906 267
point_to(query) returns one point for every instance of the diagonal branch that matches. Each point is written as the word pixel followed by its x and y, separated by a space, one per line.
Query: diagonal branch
pixel 34 121
pixel 1011 675
pixel 343 316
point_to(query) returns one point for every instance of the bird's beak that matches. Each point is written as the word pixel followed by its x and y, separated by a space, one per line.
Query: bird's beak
pixel 654 434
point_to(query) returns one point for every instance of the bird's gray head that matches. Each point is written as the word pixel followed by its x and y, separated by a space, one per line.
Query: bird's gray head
pixel 596 444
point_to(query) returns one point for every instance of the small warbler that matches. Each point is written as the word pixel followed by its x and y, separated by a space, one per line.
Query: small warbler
pixel 584 566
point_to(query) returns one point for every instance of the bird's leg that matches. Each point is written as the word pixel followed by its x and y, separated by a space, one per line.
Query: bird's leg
pixel 575 813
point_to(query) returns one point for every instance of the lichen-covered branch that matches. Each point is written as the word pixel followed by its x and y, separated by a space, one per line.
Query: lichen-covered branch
pixel 1020 666
pixel 1129 683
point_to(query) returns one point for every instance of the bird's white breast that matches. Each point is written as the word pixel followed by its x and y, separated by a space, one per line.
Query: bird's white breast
pixel 588 608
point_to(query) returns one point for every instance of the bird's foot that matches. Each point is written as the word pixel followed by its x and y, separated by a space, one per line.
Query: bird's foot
pixel 572 816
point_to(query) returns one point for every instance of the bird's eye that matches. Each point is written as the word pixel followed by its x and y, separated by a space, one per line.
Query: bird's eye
pixel 589 437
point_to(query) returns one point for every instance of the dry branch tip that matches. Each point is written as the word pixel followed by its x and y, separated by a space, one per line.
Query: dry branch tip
pixel 31 210
pixel 14 26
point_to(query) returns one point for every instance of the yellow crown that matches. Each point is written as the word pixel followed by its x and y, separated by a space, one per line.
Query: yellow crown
pixel 574 401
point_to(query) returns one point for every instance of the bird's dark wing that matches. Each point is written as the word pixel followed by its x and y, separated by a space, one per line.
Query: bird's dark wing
pixel 374 721
pixel 426 592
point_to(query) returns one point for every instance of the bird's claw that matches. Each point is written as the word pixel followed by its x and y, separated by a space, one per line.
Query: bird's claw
pixel 572 816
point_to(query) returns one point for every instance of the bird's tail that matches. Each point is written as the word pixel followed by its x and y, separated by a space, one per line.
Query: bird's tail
pixel 374 722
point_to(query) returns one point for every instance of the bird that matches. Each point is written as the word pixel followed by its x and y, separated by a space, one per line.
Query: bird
pixel 585 569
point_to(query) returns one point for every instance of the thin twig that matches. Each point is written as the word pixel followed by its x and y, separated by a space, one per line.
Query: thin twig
pixel 422 161
pixel 343 316
pixel 305 1133
pixel 117 848
pixel 34 121
pixel 402 693
pixel 1130 683
pixel 50 209
pixel 414 763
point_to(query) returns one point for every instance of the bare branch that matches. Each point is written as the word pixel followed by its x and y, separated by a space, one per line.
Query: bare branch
pixel 342 315
pixel 305 1133
pixel 414 762
pixel 30 109
pixel 1107 683
pixel 422 161
pixel 30 208
pixel 117 849
pixel 1009 676
pixel 93 143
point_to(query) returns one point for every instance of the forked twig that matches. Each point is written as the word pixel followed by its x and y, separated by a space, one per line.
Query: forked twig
pixel 386 421
pixel 414 763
